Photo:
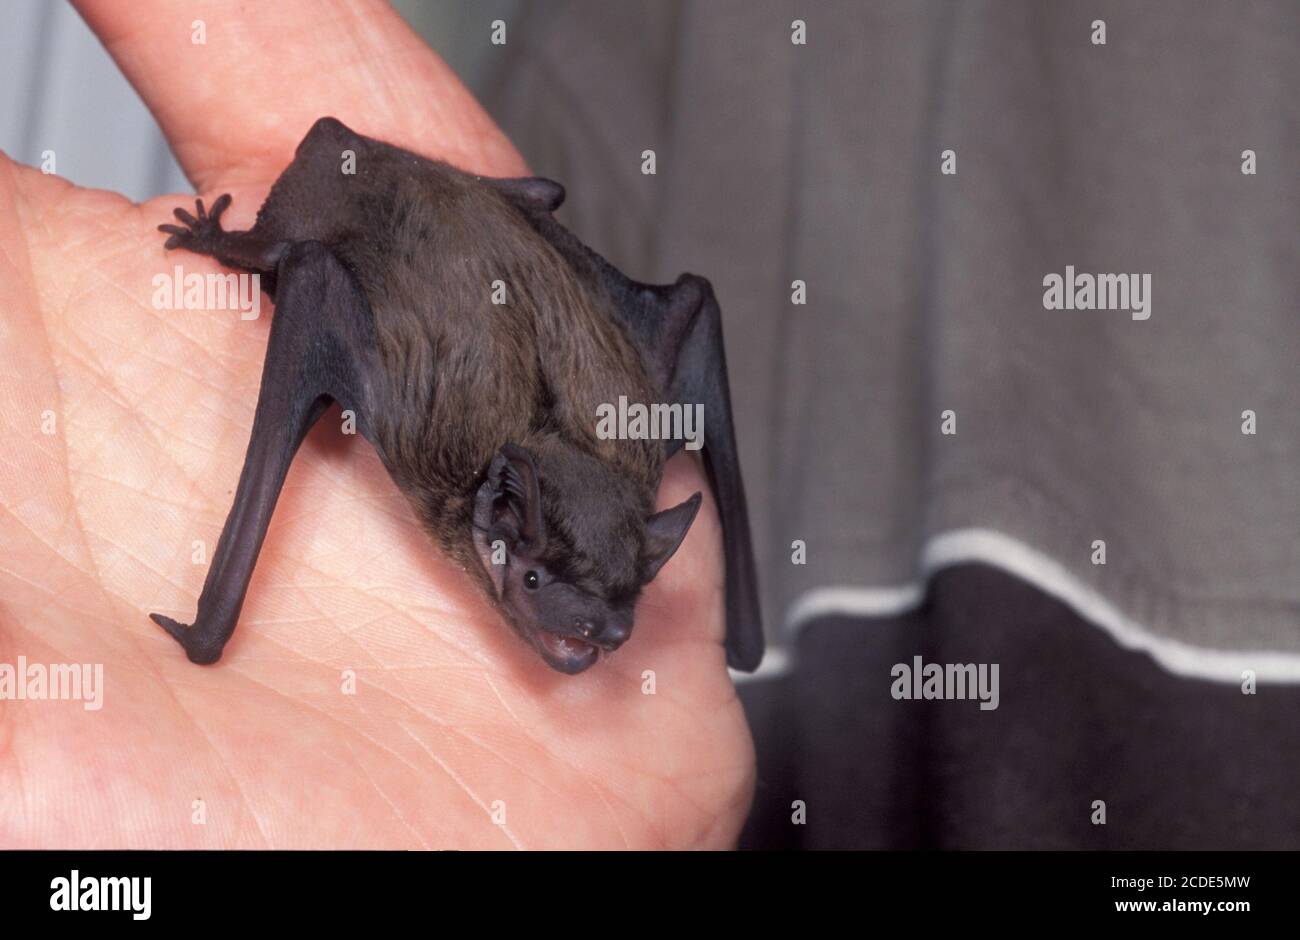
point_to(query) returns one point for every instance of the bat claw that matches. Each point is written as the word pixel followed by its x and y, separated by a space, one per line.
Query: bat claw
pixel 198 647
pixel 201 232
pixel 176 629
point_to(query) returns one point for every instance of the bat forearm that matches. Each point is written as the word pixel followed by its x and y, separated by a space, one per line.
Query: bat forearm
pixel 312 357
pixel 222 599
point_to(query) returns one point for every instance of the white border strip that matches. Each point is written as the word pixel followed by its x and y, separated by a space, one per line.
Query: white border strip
pixel 1015 557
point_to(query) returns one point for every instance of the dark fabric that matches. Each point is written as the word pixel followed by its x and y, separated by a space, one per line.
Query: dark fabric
pixel 1180 763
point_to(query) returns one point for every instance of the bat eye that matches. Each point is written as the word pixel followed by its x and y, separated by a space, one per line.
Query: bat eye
pixel 531 580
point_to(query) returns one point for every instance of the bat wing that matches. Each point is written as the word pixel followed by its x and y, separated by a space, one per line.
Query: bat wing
pixel 677 328
pixel 321 348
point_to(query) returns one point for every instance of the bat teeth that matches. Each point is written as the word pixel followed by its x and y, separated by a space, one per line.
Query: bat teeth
pixel 566 653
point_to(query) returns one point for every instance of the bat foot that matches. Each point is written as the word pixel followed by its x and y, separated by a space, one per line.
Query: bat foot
pixel 198 651
pixel 201 233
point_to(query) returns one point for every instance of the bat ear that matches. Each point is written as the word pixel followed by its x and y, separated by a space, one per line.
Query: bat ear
pixel 664 532
pixel 512 495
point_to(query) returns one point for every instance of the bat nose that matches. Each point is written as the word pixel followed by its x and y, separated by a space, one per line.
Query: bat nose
pixel 614 633
pixel 602 630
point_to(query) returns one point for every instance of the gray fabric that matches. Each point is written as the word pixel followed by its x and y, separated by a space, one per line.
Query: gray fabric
pixel 60 92
pixel 822 162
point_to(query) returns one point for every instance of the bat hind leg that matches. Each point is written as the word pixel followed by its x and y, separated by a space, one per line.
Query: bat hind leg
pixel 202 234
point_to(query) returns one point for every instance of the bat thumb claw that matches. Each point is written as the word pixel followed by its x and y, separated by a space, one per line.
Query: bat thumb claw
pixel 199 645
pixel 177 630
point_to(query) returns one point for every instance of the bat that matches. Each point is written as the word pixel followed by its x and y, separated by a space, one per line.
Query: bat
pixel 474 338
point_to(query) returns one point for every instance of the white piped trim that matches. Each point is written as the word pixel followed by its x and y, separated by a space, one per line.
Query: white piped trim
pixel 1050 576
pixel 853 602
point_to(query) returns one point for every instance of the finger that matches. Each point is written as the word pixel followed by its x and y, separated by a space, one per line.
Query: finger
pixel 185 217
pixel 235 105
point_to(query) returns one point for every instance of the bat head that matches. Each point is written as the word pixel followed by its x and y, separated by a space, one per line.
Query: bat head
pixel 567 547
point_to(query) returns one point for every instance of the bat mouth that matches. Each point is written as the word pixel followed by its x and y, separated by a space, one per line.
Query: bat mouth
pixel 566 654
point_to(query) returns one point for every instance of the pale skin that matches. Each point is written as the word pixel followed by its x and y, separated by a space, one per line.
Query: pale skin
pixel 124 429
